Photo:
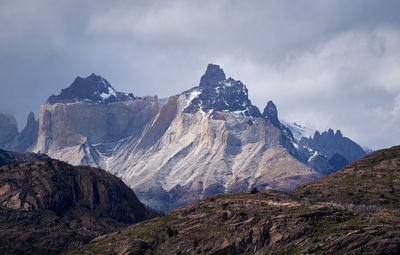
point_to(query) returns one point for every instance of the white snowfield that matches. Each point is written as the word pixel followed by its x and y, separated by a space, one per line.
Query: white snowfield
pixel 298 131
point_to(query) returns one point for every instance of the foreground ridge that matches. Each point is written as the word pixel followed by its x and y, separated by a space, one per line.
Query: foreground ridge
pixel 355 211
pixel 47 206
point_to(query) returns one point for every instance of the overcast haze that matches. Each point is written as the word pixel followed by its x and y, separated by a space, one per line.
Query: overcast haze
pixel 325 64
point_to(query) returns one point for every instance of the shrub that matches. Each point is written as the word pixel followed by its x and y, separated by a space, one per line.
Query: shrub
pixel 170 232
pixel 253 190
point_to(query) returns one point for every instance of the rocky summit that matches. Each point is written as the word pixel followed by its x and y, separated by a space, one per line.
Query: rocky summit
pixel 47 206
pixel 93 88
pixel 355 211
pixel 216 93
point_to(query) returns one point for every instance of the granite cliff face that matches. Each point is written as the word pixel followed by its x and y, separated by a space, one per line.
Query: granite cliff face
pixel 47 206
pixel 209 139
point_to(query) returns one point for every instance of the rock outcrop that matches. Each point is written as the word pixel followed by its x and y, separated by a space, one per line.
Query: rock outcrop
pixel 47 206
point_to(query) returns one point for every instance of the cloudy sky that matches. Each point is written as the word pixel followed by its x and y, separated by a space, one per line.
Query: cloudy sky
pixel 326 64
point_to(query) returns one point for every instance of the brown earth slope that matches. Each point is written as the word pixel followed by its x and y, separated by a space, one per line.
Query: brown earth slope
pixel 355 211
pixel 47 206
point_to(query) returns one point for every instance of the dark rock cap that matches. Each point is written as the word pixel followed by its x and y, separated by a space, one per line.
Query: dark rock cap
pixel 213 75
pixel 338 133
pixel 271 113
pixel 93 88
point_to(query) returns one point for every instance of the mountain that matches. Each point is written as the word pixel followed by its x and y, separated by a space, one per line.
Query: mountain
pixel 354 211
pixel 209 139
pixel 328 143
pixel 327 152
pixel 12 140
pixel 47 206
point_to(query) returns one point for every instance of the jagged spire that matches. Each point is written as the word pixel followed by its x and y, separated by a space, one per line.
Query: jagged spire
pixel 271 113
pixel 213 75
pixel 338 133
pixel 31 118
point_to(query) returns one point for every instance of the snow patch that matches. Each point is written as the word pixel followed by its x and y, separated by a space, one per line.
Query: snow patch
pixel 239 112
pixel 104 96
pixel 316 153
pixel 228 83
pixel 112 91
pixel 194 94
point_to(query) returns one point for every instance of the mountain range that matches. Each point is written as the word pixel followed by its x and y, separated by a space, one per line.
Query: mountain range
pixel 206 140
pixel 233 179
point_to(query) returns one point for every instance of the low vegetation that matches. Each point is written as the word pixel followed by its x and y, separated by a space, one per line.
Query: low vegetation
pixel 355 211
